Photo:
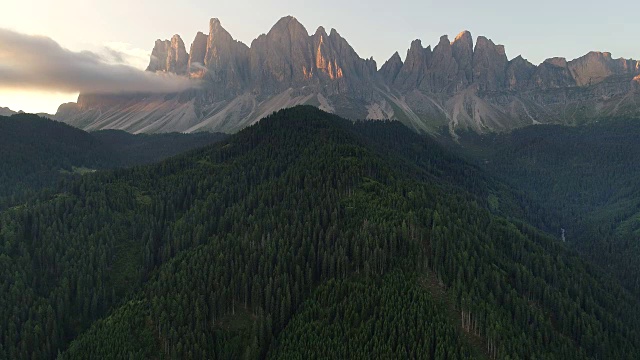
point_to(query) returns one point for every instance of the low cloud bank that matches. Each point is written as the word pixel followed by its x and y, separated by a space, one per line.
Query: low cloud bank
pixel 38 62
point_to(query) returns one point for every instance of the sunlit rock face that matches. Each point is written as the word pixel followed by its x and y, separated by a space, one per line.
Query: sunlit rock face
pixel 169 56
pixel 459 84
pixel 282 58
pixel 597 66
pixel 287 56
pixel 462 50
pixel 158 61
pixel 196 56
pixel 177 58
pixel 636 83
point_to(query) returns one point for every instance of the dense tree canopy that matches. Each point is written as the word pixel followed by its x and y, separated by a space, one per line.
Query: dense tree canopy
pixel 36 153
pixel 586 176
pixel 304 235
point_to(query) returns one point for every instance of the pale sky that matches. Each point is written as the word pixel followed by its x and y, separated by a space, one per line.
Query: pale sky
pixel 534 29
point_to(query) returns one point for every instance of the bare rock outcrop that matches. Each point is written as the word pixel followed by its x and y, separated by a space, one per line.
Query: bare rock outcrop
pixel 442 69
pixel 282 58
pixel 458 84
pixel 519 74
pixel 635 84
pixel 169 56
pixel 489 65
pixel 177 57
pixel 391 68
pixel 158 61
pixel 226 60
pixel 414 67
pixel 197 54
pixel 553 73
pixel 462 50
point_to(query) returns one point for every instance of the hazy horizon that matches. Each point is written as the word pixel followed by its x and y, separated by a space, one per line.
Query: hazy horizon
pixel 535 31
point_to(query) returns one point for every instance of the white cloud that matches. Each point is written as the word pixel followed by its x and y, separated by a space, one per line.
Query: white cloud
pixel 128 54
pixel 30 62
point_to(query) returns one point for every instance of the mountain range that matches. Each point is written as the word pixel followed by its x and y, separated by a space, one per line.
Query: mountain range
pixel 459 84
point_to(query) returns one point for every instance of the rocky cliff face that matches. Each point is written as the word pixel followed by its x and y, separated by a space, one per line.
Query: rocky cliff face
pixel 519 74
pixel 226 60
pixel 169 56
pixel 158 61
pixel 391 68
pixel 288 57
pixel 462 49
pixel 197 54
pixel 413 70
pixel 489 65
pixel 455 85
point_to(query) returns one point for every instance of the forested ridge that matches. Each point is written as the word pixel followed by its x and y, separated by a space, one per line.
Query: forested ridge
pixel 36 153
pixel 303 236
pixel 587 176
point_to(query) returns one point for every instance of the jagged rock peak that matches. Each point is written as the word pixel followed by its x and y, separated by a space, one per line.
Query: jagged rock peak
pixel 521 61
pixel 464 36
pixel 214 23
pixel 321 31
pixel 215 28
pixel 414 67
pixel 416 44
pixel 557 61
pixel 158 59
pixel 197 54
pixel 289 24
pixel 462 50
pixel 595 66
pixel 442 68
pixel 177 57
pixel 226 60
pixel 489 65
pixel 519 73
pixel 395 58
pixel 483 42
pixel 169 56
pixel 289 56
pixel 390 69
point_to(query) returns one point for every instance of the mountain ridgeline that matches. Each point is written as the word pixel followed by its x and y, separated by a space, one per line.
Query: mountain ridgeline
pixel 454 85
pixel 302 236
pixel 37 152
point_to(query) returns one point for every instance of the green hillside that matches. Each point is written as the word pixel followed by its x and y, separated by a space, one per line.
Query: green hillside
pixel 587 176
pixel 302 236
pixel 37 153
